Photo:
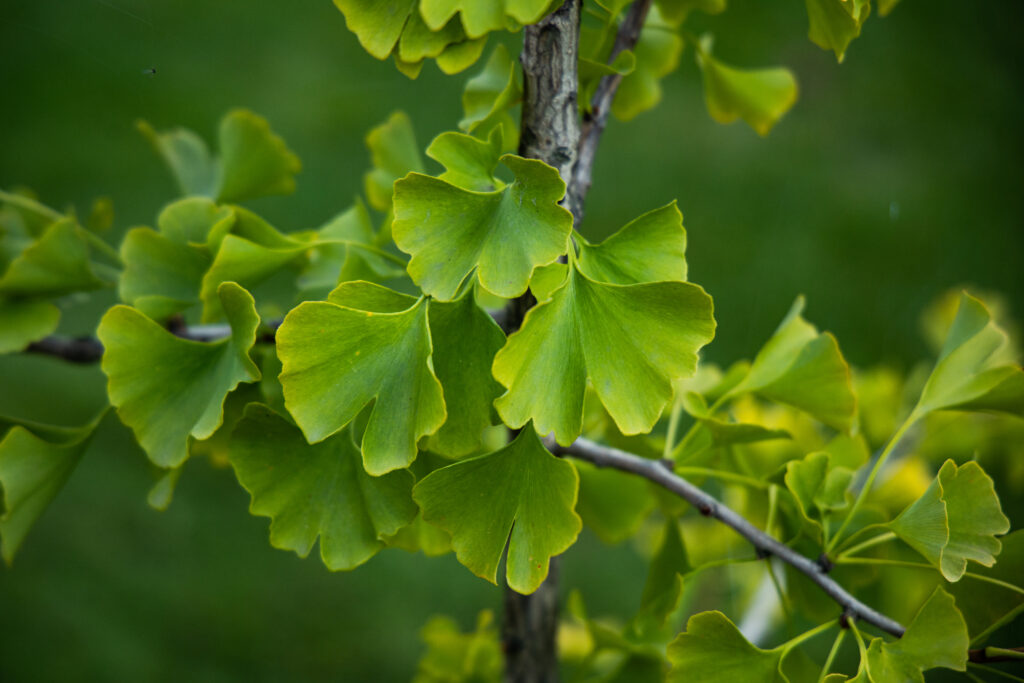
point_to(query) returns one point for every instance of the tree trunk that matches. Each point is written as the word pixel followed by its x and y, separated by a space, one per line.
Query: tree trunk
pixel 550 132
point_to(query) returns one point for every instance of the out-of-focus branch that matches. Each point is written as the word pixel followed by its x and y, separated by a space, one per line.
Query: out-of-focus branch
pixel 596 119
pixel 660 472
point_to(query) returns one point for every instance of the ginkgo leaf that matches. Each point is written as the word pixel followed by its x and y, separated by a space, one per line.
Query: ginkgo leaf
pixel 465 339
pixel 394 153
pixel 886 6
pixel 656 55
pixel 715 432
pixel 418 535
pixel 986 604
pixel 23 321
pixel 969 374
pixel 365 343
pixel 54 265
pixel 418 41
pixel 612 506
pixel 803 368
pixel 458 57
pixel 489 95
pixel 482 16
pixel 456 656
pixel 758 96
pixel 188 158
pixel 712 649
pixel 619 336
pixel 469 161
pixel 818 487
pixel 956 520
pixel 520 494
pixel 651 248
pixel 376 23
pixel 169 389
pixel 936 638
pixel 664 586
pixel 318 490
pixel 835 23
pixel 254 161
pixel 499 236
pixel 35 462
pixel 676 11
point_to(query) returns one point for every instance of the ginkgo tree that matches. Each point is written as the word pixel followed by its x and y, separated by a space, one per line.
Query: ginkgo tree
pixel 461 370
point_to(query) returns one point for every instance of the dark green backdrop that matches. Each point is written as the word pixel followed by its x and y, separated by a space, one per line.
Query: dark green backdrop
pixel 897 175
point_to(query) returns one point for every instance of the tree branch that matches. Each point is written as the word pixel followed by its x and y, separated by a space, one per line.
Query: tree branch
pixel 660 473
pixel 596 119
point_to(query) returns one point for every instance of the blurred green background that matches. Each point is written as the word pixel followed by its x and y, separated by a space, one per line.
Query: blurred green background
pixel 897 175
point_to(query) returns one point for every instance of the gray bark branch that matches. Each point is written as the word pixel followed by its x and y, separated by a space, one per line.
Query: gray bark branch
pixel 595 120
pixel 659 472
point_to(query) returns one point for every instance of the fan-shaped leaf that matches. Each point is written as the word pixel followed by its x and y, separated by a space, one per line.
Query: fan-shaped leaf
pixel 804 369
pixel 319 490
pixel 656 55
pixel 969 374
pixel 365 343
pixel 168 389
pixel 482 16
pixel 394 153
pixel 35 462
pixel 620 336
pixel 469 161
pixel 489 95
pixel 664 585
pixel 758 96
pixel 187 157
pixel 520 494
pixel 936 638
pixel 650 248
pixel 835 23
pixel 23 321
pixel 500 236
pixel 713 649
pixel 54 265
pixel 465 339
pixel 956 520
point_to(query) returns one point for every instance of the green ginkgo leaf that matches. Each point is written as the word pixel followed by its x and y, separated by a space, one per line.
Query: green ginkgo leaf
pixel 163 268
pixel 54 265
pixel 35 462
pixel 664 585
pixel 499 236
pixel 393 153
pixel 818 487
pixel 465 339
pixel 318 490
pixel 188 158
pixel 651 248
pixel 458 57
pixel 453 656
pixel 835 23
pixel 418 535
pixel 758 96
pixel 418 41
pixel 803 368
pixel 620 337
pixel 376 23
pixel 612 506
pixel 169 389
pixel 969 374
pixel 520 494
pixel 676 11
pixel 482 16
pixel 986 604
pixel 936 638
pixel 365 343
pixel 715 432
pixel 489 95
pixel 254 162
pixel 23 321
pixel 712 649
pixel 469 162
pixel 656 55
pixel 957 519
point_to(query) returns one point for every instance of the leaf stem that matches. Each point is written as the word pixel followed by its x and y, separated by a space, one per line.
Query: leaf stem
pixel 907 424
pixel 367 247
pixel 832 654
pixel 107 250
pixel 30 205
pixel 807 635
pixel 1001 622
pixel 881 538
pixel 996 672
pixel 924 565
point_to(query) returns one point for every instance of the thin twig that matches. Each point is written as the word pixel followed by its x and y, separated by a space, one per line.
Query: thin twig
pixel 596 119
pixel 707 505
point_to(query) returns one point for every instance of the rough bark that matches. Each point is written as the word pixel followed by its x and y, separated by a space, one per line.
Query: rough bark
pixel 550 132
